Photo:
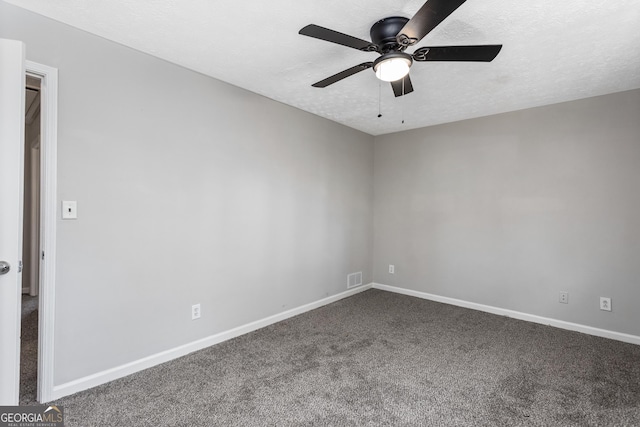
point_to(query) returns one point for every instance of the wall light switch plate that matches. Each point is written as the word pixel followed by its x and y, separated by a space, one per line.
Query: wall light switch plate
pixel 69 209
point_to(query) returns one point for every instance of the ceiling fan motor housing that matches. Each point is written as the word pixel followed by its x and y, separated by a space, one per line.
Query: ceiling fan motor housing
pixel 384 32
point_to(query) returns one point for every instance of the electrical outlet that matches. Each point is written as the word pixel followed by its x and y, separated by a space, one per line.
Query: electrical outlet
pixel 195 311
pixel 605 303
pixel 392 269
pixel 564 297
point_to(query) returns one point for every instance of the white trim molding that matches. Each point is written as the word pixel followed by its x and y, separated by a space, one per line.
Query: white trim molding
pixel 48 178
pixel 619 336
pixel 174 353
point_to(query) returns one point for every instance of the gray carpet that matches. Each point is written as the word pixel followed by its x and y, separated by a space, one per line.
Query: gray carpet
pixel 29 350
pixel 379 358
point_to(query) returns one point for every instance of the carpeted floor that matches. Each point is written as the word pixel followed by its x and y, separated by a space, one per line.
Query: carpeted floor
pixel 29 350
pixel 379 358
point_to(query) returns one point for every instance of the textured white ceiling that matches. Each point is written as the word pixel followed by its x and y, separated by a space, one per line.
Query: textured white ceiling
pixel 554 51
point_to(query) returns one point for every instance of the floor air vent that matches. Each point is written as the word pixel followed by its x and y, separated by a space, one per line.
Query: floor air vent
pixel 354 279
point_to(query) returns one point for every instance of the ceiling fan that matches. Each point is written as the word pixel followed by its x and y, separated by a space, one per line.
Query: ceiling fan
pixel 390 37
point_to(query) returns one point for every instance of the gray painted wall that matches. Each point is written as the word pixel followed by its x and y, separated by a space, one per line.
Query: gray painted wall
pixel 509 210
pixel 189 191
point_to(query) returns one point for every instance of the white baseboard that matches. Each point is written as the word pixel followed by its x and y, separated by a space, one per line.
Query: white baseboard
pixel 619 336
pixel 165 356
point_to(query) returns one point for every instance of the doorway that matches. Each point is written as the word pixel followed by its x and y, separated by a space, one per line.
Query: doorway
pixel 31 244
pixel 42 153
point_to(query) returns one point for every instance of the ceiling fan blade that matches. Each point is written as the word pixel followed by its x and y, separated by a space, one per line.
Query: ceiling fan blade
pixel 399 90
pixel 343 74
pixel 326 34
pixel 480 53
pixel 432 13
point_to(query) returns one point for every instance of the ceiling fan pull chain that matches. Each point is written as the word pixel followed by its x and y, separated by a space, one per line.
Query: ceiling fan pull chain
pixel 379 98
pixel 403 101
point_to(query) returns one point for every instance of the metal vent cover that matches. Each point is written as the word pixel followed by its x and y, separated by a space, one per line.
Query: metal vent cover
pixel 354 279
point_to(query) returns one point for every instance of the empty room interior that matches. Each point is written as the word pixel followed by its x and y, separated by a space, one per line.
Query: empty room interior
pixel 460 247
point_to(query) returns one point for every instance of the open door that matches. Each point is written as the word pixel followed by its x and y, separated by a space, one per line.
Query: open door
pixel 12 83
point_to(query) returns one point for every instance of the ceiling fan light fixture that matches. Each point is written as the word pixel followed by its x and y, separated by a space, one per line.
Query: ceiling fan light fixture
pixel 392 66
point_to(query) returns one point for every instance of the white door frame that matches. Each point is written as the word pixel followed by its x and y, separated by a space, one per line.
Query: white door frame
pixel 48 215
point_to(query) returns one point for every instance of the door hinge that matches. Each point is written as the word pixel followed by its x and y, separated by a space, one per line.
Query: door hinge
pixel 42 254
pixel 20 266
